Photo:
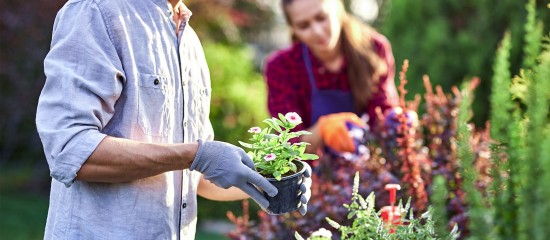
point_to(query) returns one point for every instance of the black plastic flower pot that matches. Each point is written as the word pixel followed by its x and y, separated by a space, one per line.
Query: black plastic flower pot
pixel 288 197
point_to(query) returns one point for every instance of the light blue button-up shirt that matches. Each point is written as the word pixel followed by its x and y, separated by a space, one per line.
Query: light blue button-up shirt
pixel 117 68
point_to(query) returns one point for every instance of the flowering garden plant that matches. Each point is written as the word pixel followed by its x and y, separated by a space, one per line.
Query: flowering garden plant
pixel 273 153
pixel 483 181
pixel 398 154
pixel 370 224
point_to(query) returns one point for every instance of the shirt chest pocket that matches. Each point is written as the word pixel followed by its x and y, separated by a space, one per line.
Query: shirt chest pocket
pixel 155 105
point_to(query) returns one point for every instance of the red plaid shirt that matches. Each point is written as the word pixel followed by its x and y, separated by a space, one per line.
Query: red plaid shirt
pixel 289 89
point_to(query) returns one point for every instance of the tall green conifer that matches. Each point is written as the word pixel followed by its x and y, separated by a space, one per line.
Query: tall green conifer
pixel 477 211
pixel 501 105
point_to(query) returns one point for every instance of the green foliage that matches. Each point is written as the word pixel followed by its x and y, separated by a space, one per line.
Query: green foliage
pixel 532 37
pixel 453 40
pixel 23 215
pixel 478 215
pixel 273 154
pixel 501 106
pixel 230 22
pixel 515 168
pixel 367 223
pixel 537 114
pixel 520 202
pixel 438 200
pixel 543 208
pixel 500 97
pixel 238 92
pixel 520 154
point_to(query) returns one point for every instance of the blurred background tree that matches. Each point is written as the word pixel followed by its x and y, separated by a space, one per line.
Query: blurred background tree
pixel 26 34
pixel 454 40
pixel 230 21
pixel 238 92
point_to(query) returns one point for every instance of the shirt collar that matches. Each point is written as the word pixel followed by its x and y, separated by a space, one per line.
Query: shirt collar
pixel 166 5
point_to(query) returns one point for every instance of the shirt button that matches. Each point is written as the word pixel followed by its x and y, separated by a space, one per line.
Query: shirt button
pixel 156 82
pixel 185 124
pixel 183 205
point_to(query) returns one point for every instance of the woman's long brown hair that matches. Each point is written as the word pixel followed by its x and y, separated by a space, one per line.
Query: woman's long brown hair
pixel 365 66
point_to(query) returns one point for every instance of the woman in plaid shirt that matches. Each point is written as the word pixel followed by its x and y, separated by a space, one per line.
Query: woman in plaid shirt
pixel 336 70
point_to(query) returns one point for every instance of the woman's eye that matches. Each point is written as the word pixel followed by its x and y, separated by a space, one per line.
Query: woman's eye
pixel 321 18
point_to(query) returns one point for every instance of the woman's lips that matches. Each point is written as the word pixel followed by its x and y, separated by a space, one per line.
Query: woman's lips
pixel 322 42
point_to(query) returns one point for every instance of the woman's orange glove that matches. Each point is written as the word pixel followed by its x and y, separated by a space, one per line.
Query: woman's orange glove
pixel 335 133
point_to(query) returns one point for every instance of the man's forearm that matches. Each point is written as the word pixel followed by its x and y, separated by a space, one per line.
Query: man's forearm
pixel 208 190
pixel 122 160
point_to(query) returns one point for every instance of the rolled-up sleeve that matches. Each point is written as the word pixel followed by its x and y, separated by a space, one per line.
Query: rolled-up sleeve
pixel 84 79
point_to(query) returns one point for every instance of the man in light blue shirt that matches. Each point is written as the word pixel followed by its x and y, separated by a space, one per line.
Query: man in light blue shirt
pixel 123 118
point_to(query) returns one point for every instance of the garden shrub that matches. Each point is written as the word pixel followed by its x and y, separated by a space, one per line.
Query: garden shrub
pixel 453 40
pixel 517 206
pixel 368 224
pixel 520 126
pixel 489 181
pixel 237 90
pixel 407 154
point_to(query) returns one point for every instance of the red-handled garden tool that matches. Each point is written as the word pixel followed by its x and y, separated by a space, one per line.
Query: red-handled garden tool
pixel 391 215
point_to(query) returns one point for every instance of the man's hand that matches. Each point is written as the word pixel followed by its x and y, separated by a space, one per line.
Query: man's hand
pixel 335 133
pixel 227 165
pixel 306 190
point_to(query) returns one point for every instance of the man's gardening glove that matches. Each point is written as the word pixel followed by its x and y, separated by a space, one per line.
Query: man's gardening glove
pixel 334 130
pixel 305 188
pixel 227 165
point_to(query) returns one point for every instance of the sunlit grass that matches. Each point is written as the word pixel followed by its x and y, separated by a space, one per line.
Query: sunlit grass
pixel 22 215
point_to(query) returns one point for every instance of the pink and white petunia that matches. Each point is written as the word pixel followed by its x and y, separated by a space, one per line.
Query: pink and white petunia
pixel 270 157
pixel 322 233
pixel 293 118
pixel 254 130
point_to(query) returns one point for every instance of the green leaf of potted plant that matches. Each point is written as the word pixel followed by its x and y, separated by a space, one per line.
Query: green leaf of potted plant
pixel 279 160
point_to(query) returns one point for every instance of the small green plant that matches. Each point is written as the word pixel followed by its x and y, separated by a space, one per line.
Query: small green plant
pixel 273 153
pixel 368 224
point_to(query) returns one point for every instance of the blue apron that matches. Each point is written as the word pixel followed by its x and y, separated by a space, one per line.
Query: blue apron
pixel 325 102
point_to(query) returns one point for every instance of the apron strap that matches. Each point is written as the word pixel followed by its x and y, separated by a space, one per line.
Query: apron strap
pixel 307 62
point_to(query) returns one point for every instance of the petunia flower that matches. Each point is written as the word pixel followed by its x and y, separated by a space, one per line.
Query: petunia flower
pixel 322 232
pixel 270 157
pixel 293 118
pixel 254 130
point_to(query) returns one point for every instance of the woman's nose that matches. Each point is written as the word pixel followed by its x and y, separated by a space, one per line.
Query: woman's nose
pixel 317 29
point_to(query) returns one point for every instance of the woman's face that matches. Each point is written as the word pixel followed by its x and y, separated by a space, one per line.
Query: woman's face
pixel 316 23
